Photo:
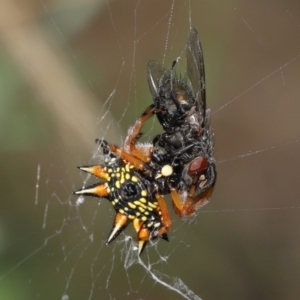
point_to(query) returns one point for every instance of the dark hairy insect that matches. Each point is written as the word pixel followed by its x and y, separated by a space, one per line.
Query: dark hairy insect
pixel 179 162
pixel 187 139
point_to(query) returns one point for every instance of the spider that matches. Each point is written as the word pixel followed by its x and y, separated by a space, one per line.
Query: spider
pixel 183 167
pixel 132 197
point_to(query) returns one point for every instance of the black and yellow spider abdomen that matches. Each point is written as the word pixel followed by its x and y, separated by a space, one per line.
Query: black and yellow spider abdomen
pixel 128 193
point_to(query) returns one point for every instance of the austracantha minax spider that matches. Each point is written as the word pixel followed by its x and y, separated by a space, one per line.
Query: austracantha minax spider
pixel 132 197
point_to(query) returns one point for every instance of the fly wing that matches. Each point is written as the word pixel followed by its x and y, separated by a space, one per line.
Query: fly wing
pixel 195 70
pixel 155 72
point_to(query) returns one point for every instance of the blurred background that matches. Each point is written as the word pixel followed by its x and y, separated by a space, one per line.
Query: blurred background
pixel 73 71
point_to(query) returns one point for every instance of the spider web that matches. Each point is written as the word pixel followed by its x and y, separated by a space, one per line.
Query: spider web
pixel 76 71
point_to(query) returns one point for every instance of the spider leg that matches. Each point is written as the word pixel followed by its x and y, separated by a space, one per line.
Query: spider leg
pixel 137 155
pixel 191 204
pixel 202 199
pixel 144 234
pixel 165 216
pixel 125 156
pixel 135 131
pixel 143 152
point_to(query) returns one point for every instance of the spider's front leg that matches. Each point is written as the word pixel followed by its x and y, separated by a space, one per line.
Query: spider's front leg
pixel 165 215
pixel 135 131
pixel 136 154
pixel 186 207
pixel 200 177
pixel 141 151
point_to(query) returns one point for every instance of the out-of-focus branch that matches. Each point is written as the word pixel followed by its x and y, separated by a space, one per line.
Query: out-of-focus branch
pixel 50 75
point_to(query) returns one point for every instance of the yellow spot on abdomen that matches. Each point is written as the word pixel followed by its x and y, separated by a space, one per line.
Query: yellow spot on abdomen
pixel 143 200
pixel 134 179
pixel 150 204
pixel 131 205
